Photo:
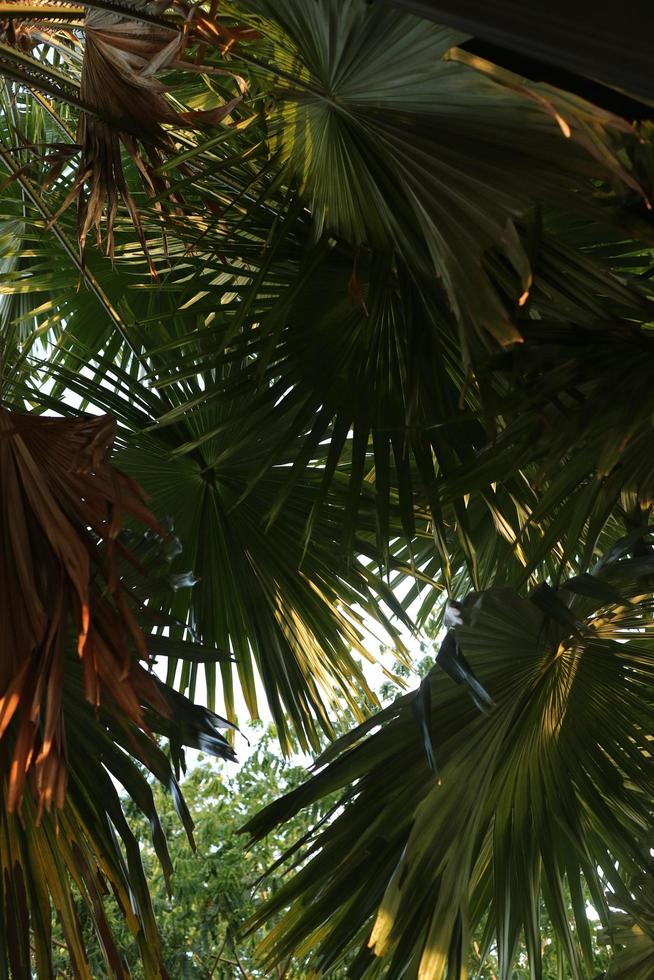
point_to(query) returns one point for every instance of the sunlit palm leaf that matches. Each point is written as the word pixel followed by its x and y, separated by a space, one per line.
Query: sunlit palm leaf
pixel 550 788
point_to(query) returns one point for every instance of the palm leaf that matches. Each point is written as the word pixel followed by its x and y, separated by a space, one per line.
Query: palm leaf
pixel 77 704
pixel 545 791
pixel 629 931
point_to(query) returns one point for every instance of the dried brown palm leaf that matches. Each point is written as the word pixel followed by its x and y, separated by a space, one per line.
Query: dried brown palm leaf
pixel 25 33
pixel 61 508
pixel 121 61
pixel 20 35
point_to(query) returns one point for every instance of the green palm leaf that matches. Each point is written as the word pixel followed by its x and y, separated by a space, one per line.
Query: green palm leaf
pixel 630 931
pixel 436 162
pixel 545 792
pixel 292 618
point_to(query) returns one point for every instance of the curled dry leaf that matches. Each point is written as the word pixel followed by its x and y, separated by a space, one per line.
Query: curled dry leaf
pixel 61 509
pixel 121 60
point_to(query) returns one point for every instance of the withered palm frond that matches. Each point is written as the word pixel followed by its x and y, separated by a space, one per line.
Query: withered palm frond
pixel 61 510
pixel 121 60
pixel 21 35
pixel 128 106
pixel 78 707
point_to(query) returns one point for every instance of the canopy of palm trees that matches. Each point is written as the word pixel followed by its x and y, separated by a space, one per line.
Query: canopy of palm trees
pixel 338 320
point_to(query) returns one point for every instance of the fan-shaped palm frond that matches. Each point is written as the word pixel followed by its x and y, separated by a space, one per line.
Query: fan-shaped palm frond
pixel 436 163
pixel 373 387
pixel 549 788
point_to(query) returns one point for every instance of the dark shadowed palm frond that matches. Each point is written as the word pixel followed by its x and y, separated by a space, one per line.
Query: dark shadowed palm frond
pixel 580 38
pixel 630 930
pixel 377 374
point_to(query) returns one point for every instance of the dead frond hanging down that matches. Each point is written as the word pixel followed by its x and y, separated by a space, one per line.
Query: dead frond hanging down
pixel 122 58
pixel 62 507
pixel 121 61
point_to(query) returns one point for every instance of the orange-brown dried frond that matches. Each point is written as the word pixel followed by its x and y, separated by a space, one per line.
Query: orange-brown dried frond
pixel 19 34
pixel 61 505
pixel 24 34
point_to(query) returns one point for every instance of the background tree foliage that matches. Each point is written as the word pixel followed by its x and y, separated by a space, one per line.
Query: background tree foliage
pixel 372 314
pixel 212 890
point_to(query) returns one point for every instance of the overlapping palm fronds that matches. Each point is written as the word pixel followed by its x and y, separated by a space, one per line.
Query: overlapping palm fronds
pixel 572 426
pixel 361 357
pixel 435 163
pixel 123 104
pixel 455 820
pixel 295 620
pixel 79 700
pixel 378 377
pixel 400 320
pixel 376 367
pixel 70 862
